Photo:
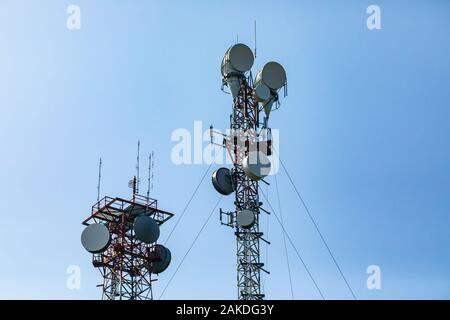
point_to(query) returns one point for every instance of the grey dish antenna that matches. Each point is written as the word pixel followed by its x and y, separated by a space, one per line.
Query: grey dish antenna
pixel 245 219
pixel 272 75
pixel 146 229
pixel 165 256
pixel 222 182
pixel 268 81
pixel 237 60
pixel 256 165
pixel 96 238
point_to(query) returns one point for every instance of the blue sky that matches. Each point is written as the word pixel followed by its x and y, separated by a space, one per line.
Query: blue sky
pixel 364 134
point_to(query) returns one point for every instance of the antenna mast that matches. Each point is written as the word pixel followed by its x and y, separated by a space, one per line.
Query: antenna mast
pixel 255 38
pixel 137 167
pixel 99 179
pixel 151 164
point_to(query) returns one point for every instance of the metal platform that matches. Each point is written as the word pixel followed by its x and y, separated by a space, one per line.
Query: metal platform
pixel 110 209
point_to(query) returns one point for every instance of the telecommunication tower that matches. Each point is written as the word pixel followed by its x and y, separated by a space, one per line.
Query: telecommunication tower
pixel 122 234
pixel 249 144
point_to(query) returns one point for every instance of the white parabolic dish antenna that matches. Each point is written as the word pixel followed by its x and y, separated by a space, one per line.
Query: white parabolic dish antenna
pixel 166 257
pixel 256 165
pixel 238 59
pixel 221 179
pixel 146 229
pixel 272 75
pixel 95 238
pixel 245 219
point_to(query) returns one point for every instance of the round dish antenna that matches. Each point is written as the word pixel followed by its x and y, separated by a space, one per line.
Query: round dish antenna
pixel 221 180
pixel 270 78
pixel 272 75
pixel 245 219
pixel 166 257
pixel 256 165
pixel 96 238
pixel 146 229
pixel 237 60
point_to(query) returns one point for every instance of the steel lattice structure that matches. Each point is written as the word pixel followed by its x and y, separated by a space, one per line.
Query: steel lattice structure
pixel 126 264
pixel 246 136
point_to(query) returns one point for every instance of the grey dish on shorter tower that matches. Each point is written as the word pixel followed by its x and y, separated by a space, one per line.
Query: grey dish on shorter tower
pixel 96 238
pixel 146 229
pixel 166 257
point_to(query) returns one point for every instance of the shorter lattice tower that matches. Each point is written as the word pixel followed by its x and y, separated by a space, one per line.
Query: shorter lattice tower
pixel 122 236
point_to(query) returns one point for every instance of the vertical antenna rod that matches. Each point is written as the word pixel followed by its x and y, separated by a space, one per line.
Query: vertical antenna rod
pixel 99 179
pixel 137 167
pixel 153 171
pixel 150 173
pixel 255 37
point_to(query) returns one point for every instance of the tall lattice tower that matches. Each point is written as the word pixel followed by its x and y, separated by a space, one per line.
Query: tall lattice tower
pixel 249 144
pixel 122 236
